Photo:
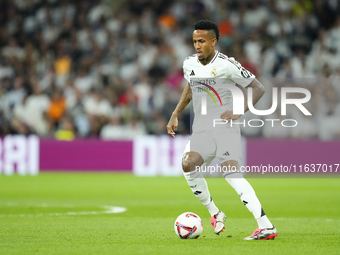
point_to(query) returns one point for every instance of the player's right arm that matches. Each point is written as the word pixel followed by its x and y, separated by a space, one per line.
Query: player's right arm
pixel 183 102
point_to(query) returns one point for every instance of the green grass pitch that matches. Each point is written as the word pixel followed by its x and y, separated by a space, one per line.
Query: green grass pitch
pixel 34 219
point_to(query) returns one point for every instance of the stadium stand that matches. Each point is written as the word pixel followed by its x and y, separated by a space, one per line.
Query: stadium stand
pixel 113 69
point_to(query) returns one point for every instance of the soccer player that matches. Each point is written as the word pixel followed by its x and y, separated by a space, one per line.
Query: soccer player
pixel 210 72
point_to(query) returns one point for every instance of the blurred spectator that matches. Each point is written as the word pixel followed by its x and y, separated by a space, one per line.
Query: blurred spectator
pixel 302 7
pixel 83 81
pixel 37 104
pixel 16 94
pixel 167 21
pixel 62 64
pixel 56 109
pixel 225 26
pixel 113 130
pixel 96 104
pixel 134 128
pixel 12 50
pixel 21 120
pixel 65 130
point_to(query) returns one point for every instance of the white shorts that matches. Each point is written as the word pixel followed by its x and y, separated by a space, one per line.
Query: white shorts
pixel 216 144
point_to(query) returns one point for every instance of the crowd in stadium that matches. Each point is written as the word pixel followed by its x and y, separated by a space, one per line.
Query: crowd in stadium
pixel 113 69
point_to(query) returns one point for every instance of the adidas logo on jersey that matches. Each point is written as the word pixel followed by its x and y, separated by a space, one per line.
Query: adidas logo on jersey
pixel 192 73
pixel 226 154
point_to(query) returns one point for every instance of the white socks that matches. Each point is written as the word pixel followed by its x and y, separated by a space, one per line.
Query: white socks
pixel 264 222
pixel 248 197
pixel 199 187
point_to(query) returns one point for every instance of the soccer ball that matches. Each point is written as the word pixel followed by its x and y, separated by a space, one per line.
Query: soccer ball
pixel 188 226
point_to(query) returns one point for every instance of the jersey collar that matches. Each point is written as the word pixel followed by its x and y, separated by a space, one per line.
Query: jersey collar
pixel 212 61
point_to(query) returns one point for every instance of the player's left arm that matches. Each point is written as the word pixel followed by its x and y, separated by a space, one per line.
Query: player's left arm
pixel 258 92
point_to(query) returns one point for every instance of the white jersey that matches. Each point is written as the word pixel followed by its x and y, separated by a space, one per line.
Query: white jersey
pixel 207 83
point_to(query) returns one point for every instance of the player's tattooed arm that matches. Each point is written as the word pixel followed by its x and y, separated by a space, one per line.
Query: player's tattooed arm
pixel 183 102
pixel 258 91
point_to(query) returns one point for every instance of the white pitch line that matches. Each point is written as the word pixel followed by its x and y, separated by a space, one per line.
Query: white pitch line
pixel 283 219
pixel 109 210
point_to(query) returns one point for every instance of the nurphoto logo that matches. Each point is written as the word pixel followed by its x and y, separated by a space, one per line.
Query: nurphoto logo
pixel 210 87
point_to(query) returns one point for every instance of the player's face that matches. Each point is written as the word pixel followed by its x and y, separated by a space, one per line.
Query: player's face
pixel 204 43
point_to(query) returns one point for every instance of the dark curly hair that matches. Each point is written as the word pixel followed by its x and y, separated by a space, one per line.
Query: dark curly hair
pixel 209 26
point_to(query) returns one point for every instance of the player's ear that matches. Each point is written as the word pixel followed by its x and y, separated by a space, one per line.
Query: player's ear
pixel 214 41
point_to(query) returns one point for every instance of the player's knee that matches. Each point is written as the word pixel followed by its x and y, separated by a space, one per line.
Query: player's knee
pixel 186 162
pixel 190 161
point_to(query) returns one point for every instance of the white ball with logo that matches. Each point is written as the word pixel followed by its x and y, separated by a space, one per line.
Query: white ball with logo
pixel 188 225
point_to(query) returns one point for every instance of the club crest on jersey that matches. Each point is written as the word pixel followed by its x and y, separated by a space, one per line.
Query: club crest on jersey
pixel 214 72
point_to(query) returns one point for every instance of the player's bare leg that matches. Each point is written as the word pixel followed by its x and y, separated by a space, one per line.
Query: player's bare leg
pixel 247 194
pixel 191 163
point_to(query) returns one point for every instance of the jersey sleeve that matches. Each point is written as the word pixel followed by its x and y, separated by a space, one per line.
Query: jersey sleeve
pixel 238 73
pixel 186 72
